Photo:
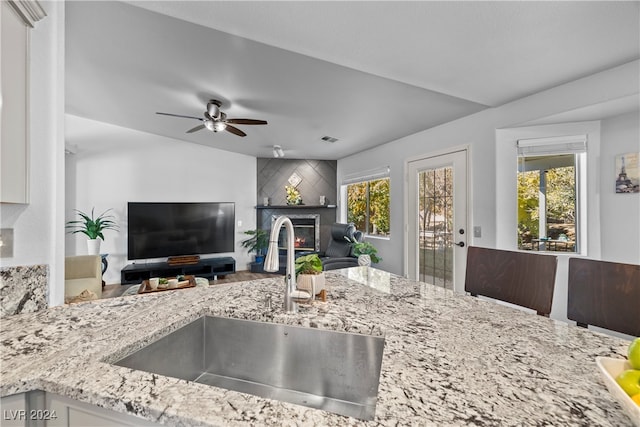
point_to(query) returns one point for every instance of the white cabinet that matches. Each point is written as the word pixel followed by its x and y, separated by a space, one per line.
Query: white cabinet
pixel 16 19
pixel 13 410
pixel 71 413
pixel 14 184
pixel 40 409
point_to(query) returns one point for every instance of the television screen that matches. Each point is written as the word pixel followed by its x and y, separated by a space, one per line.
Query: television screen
pixel 158 230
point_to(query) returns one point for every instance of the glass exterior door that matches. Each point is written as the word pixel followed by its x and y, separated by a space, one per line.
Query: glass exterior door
pixel 437 220
pixel 435 226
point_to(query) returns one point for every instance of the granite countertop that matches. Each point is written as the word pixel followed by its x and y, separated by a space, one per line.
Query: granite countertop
pixel 449 359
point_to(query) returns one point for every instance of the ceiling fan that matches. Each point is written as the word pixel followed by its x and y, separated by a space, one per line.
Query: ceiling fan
pixel 216 120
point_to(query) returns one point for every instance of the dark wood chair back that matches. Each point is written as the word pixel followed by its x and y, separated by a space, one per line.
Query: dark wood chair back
pixel 604 294
pixel 521 278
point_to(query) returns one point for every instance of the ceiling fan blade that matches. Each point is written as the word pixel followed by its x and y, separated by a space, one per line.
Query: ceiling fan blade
pixel 196 129
pixel 235 130
pixel 246 121
pixel 179 115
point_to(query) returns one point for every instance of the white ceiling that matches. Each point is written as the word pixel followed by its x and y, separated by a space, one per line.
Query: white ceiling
pixel 364 72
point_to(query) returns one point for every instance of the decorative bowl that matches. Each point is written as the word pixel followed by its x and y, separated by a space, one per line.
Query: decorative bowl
pixel 610 368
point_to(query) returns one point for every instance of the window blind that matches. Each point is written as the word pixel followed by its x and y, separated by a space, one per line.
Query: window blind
pixel 555 145
pixel 368 175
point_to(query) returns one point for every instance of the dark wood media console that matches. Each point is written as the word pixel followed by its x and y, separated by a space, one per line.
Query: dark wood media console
pixel 208 268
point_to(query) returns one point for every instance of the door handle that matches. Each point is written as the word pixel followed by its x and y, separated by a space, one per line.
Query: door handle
pixel 461 244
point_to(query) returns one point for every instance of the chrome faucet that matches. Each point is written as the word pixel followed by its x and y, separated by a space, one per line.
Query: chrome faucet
pixel 272 261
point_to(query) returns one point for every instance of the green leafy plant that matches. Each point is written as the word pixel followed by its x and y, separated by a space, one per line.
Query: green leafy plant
pixel 308 264
pixel 366 248
pixel 258 242
pixel 92 227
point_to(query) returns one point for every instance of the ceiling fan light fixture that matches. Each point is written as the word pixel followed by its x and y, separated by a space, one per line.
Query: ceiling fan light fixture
pixel 219 126
pixel 209 125
pixel 213 108
pixel 215 120
pixel 277 151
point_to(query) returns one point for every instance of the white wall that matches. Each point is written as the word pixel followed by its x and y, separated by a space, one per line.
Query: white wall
pixel 115 165
pixel 620 213
pixel 38 226
pixel 478 131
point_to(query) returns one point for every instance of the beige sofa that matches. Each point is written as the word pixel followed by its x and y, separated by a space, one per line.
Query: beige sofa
pixel 82 272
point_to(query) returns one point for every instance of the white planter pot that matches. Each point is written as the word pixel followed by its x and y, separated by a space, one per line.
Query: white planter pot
pixel 309 282
pixel 93 246
pixel 364 260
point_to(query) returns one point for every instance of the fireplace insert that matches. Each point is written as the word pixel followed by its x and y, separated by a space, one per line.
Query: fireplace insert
pixel 307 232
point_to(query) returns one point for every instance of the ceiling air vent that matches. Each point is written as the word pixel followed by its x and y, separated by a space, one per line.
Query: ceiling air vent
pixel 329 139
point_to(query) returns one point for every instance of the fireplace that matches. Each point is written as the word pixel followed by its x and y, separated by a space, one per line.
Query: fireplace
pixel 306 229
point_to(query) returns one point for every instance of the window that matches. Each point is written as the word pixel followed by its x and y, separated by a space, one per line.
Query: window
pixel 368 203
pixel 549 182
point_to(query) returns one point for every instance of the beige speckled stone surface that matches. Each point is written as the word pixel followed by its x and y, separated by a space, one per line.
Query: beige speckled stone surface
pixel 449 359
pixel 23 289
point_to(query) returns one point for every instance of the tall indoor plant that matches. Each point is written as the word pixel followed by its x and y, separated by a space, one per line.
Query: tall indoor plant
pixel 93 228
pixel 258 243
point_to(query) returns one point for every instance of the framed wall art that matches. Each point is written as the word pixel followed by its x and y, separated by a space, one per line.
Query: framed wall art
pixel 628 173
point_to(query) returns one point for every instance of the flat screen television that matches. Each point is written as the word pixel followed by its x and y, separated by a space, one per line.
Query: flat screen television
pixel 158 230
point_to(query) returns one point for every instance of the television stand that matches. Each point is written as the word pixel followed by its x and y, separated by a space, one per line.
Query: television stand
pixel 209 268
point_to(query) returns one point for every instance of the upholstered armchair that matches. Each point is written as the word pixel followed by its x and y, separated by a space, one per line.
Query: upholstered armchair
pixel 339 253
pixel 82 272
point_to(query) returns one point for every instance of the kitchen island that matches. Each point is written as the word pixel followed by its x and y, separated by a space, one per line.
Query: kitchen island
pixel 449 359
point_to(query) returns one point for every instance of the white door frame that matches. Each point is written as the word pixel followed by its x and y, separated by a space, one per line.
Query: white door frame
pixel 460 253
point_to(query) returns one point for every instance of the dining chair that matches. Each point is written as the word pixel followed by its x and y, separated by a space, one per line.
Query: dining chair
pixel 604 294
pixel 520 278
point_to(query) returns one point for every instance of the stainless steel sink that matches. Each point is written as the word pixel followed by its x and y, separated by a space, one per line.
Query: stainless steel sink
pixel 333 371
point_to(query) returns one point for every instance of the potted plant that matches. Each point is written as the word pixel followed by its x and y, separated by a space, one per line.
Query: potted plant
pixel 309 274
pixel 366 253
pixel 258 243
pixel 92 228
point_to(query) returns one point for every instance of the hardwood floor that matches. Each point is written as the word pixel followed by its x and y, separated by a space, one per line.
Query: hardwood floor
pixel 111 291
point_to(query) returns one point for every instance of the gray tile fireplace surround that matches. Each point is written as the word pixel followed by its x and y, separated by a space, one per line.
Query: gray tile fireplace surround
pixel 318 178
